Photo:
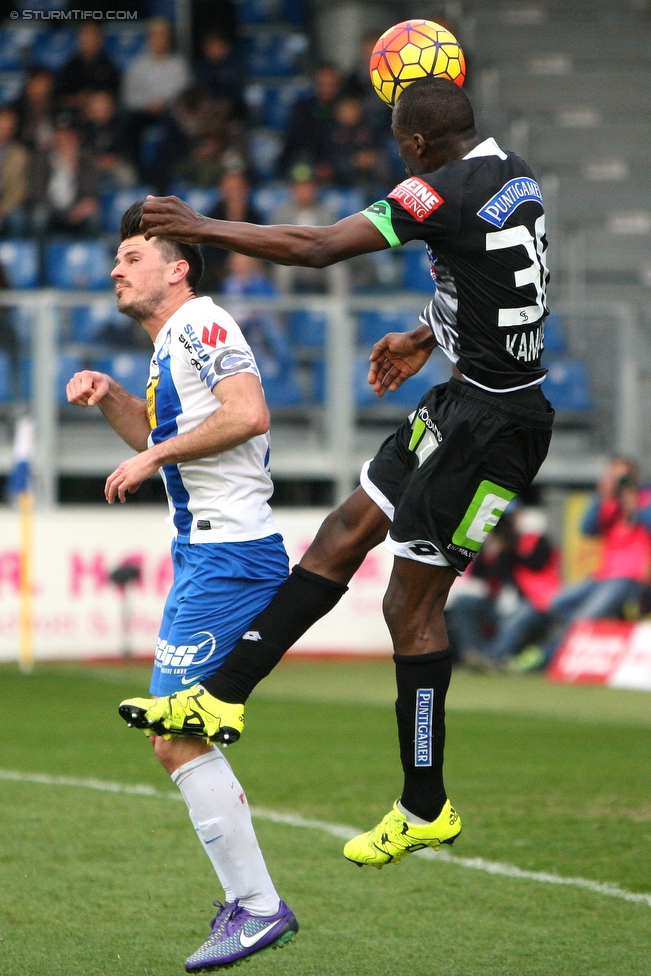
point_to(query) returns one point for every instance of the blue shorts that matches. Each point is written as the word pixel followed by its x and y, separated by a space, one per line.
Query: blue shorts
pixel 218 590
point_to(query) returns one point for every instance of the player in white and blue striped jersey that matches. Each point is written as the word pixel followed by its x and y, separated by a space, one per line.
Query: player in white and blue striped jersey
pixel 204 425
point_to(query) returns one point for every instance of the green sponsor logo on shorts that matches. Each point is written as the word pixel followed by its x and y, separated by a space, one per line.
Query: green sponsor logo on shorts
pixel 417 430
pixel 483 514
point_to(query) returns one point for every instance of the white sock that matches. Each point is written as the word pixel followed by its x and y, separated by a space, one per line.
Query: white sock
pixel 220 815
pixel 411 817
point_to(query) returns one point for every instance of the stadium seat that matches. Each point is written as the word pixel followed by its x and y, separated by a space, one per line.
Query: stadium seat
pixel 77 264
pixel 268 11
pixel 567 386
pixel 343 203
pixel 12 46
pixel 266 199
pixel 417 270
pixel 20 260
pixel 66 365
pixel 275 53
pixel 306 328
pixel 11 85
pixel 554 336
pixel 88 321
pixel 5 377
pixel 264 148
pixel 280 388
pixel 130 369
pixel 436 370
pixel 201 199
pixel 273 102
pixel 53 48
pixel 115 202
pixel 123 45
pixel 374 325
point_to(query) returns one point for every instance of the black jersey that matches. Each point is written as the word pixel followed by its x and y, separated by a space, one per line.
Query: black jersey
pixel 483 223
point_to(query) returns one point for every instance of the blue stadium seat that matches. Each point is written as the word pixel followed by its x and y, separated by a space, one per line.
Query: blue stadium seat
pixel 53 48
pixel 201 199
pixel 435 371
pixel 554 335
pixel 264 148
pixel 274 102
pixel 22 321
pixel 417 267
pixel 19 258
pixel 266 199
pixel 5 377
pixel 11 85
pixel 275 53
pixel 567 386
pixel 12 45
pixel 374 325
pixel 115 202
pixel 280 387
pixel 268 11
pixel 66 365
pixel 77 264
pixel 123 45
pixel 343 203
pixel 307 328
pixel 87 321
pixel 130 369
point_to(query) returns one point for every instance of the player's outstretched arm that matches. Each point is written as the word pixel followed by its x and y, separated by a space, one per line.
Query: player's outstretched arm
pixel 243 414
pixel 310 247
pixel 398 356
pixel 127 414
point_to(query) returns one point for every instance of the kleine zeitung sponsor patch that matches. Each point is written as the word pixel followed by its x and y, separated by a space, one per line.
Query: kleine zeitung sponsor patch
pixel 417 197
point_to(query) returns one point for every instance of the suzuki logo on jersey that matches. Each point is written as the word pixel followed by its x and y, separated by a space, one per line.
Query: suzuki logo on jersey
pixel 196 345
pixel 417 197
pixel 500 207
pixel 171 656
pixel 217 334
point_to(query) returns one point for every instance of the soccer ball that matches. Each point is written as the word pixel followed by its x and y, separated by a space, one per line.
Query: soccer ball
pixel 412 50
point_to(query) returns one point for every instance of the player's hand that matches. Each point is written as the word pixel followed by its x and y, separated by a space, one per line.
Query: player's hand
pixel 394 359
pixel 171 217
pixel 87 388
pixel 126 479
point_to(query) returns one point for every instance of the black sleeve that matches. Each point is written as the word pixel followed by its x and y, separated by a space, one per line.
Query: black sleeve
pixel 421 208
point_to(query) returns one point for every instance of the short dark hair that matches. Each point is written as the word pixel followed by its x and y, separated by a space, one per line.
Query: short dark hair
pixel 172 250
pixel 435 107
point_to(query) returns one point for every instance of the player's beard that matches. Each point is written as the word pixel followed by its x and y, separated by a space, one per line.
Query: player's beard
pixel 140 307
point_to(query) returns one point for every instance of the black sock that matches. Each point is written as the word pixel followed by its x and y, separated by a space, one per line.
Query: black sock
pixel 422 681
pixel 302 599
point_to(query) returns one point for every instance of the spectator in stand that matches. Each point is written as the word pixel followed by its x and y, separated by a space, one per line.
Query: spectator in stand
pixel 310 121
pixel 303 209
pixel 220 72
pixel 152 81
pixel 377 114
pixel 103 137
pixel 234 204
pixel 14 175
pixel 353 150
pixel 620 517
pixel 204 142
pixel 65 185
pixel 535 571
pixel 87 71
pixel 35 109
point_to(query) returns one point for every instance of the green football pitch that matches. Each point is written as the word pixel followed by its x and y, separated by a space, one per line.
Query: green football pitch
pixel 101 874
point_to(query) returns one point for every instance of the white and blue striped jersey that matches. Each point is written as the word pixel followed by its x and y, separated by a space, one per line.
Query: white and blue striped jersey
pixel 224 498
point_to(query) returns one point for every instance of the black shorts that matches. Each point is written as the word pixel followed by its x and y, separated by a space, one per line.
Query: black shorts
pixel 449 471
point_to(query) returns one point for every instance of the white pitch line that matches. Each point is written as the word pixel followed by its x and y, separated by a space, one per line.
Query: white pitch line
pixel 340 831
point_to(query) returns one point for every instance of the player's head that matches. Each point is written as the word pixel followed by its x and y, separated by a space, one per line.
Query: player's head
pixel 148 273
pixel 432 116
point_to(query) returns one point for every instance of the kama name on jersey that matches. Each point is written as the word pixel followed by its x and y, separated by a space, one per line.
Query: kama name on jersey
pixel 483 223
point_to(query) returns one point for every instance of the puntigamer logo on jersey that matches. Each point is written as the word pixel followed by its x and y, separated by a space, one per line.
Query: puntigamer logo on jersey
pixel 417 197
pixel 505 201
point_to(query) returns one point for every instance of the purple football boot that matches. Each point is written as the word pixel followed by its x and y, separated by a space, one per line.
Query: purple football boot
pixel 237 933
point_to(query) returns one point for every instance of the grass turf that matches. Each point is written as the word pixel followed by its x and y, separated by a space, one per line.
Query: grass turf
pixel 547 778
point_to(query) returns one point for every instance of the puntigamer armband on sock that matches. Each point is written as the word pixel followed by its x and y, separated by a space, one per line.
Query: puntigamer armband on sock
pixel 302 599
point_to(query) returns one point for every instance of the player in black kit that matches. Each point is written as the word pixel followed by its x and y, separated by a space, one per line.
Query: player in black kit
pixel 439 485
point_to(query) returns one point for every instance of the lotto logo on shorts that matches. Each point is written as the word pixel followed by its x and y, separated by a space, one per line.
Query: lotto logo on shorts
pixel 423 737
pixel 417 197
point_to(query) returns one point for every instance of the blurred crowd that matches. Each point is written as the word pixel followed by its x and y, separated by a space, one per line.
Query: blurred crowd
pixel 511 610
pixel 88 129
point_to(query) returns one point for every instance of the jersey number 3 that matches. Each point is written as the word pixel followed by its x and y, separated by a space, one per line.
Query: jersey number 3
pixel 534 274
